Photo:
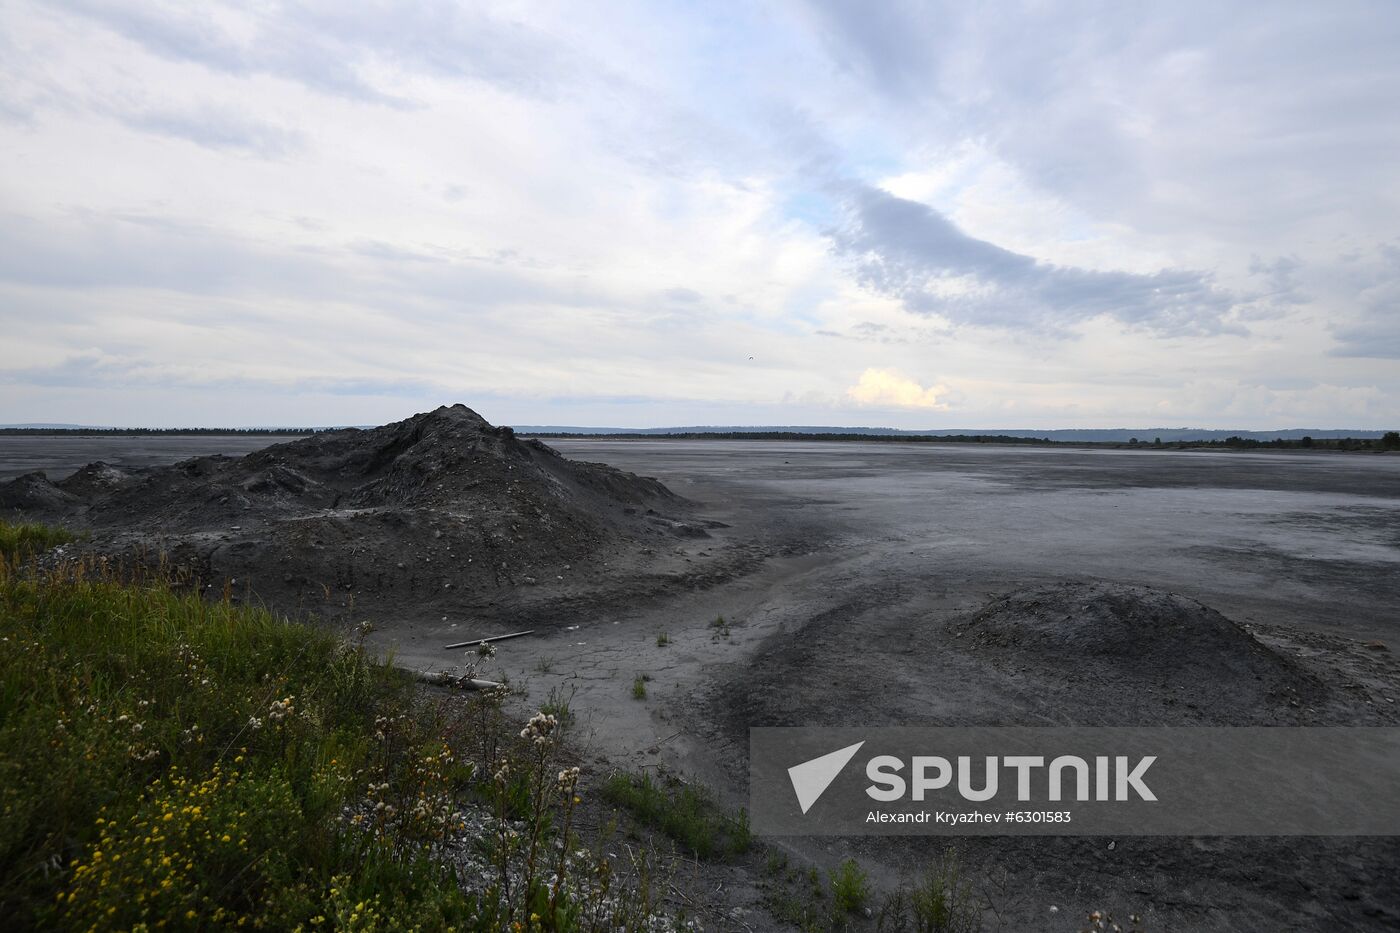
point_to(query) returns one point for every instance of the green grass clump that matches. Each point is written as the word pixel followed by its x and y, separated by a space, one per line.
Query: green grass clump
pixel 19 542
pixel 687 814
pixel 639 687
pixel 799 900
pixel 560 705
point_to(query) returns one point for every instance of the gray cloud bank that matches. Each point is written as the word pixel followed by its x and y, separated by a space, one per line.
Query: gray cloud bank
pixel 905 249
pixel 328 47
pixel 1376 333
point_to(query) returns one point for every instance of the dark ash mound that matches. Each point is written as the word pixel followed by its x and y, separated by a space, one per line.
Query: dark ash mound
pixel 1085 653
pixel 1134 648
pixel 1135 629
pixel 439 511
pixel 33 493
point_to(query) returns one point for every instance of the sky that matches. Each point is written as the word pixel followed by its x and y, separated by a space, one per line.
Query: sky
pixel 797 212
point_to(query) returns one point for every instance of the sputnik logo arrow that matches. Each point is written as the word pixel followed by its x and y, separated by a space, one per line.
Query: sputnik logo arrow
pixel 811 778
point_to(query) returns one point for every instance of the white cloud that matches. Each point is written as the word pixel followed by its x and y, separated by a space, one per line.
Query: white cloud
pixel 891 388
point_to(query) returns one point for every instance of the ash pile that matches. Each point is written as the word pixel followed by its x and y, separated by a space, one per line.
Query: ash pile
pixel 1116 654
pixel 439 510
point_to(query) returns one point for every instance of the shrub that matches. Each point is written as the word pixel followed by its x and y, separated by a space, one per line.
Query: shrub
pixel 850 887
pixel 942 901
pixel 211 848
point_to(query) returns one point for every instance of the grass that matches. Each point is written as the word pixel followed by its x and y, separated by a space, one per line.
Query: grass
pixel 163 756
pixel 639 687
pixel 662 640
pixel 686 813
pixel 941 900
pixel 19 542
pixel 167 761
pixel 560 705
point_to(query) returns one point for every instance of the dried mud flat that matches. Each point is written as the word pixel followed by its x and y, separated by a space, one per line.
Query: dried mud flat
pixel 858 585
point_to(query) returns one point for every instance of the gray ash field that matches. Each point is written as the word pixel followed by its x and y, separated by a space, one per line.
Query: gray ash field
pixel 60 455
pixel 860 583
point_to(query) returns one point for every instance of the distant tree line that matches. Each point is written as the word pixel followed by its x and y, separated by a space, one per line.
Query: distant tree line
pixel 1390 441
pixel 813 436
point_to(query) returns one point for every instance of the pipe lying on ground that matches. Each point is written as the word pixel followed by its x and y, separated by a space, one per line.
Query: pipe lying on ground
pixel 444 679
pixel 482 641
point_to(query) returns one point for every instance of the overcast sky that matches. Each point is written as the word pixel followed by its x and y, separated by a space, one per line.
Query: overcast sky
pixel 1039 214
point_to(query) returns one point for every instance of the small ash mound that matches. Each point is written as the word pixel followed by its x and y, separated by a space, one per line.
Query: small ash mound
pixel 1136 648
pixel 1131 627
pixel 93 480
pixel 439 511
pixel 33 495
